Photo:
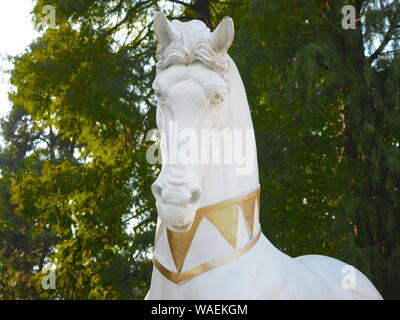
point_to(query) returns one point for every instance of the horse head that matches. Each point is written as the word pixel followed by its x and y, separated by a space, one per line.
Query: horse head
pixel 192 88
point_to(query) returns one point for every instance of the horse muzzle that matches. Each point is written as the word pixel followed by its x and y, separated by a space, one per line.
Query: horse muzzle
pixel 176 205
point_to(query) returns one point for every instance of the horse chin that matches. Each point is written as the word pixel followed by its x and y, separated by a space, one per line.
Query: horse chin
pixel 182 228
pixel 176 218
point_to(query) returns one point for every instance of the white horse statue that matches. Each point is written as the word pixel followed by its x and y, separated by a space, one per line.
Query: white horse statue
pixel 208 242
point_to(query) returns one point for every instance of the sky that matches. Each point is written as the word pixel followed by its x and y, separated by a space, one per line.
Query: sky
pixel 16 33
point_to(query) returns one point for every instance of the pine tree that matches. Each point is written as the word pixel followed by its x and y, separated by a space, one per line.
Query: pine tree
pixel 326 101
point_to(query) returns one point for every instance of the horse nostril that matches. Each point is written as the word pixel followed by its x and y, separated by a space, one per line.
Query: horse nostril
pixel 175 196
pixel 195 196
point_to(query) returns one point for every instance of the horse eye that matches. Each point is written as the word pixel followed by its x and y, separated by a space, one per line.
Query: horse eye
pixel 217 98
pixel 158 94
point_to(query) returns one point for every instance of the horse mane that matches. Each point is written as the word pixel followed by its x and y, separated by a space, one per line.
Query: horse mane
pixel 191 43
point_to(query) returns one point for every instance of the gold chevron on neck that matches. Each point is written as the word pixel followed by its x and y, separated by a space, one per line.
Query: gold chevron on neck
pixel 224 216
pixel 179 243
pixel 248 209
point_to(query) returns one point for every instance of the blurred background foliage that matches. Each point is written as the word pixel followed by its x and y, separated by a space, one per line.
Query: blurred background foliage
pixel 75 183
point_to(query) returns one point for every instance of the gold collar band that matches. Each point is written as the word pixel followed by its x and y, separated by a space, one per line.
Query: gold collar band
pixel 204 267
pixel 224 216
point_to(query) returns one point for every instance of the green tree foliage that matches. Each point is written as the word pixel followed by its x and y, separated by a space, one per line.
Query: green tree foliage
pixel 85 178
pixel 75 183
pixel 325 102
pixel 75 180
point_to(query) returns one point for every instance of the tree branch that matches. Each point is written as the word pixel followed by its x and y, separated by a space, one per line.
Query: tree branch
pixel 137 7
pixel 184 17
pixel 183 3
pixel 388 36
pixel 360 6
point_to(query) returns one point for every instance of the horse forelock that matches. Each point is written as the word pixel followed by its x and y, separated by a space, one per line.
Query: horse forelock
pixel 191 43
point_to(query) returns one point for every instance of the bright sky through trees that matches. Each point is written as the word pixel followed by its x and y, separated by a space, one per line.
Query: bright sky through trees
pixel 16 32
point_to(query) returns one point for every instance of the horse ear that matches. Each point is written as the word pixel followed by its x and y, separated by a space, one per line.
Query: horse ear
pixel 163 29
pixel 222 36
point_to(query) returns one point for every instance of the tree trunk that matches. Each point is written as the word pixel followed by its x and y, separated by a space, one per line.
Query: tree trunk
pixel 202 11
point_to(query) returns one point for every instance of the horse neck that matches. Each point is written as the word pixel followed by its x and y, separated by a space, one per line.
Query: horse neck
pixel 221 182
pixel 224 181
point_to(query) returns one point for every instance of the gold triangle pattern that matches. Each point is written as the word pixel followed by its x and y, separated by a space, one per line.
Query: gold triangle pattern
pixel 248 212
pixel 179 243
pixel 224 216
pixel 226 221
